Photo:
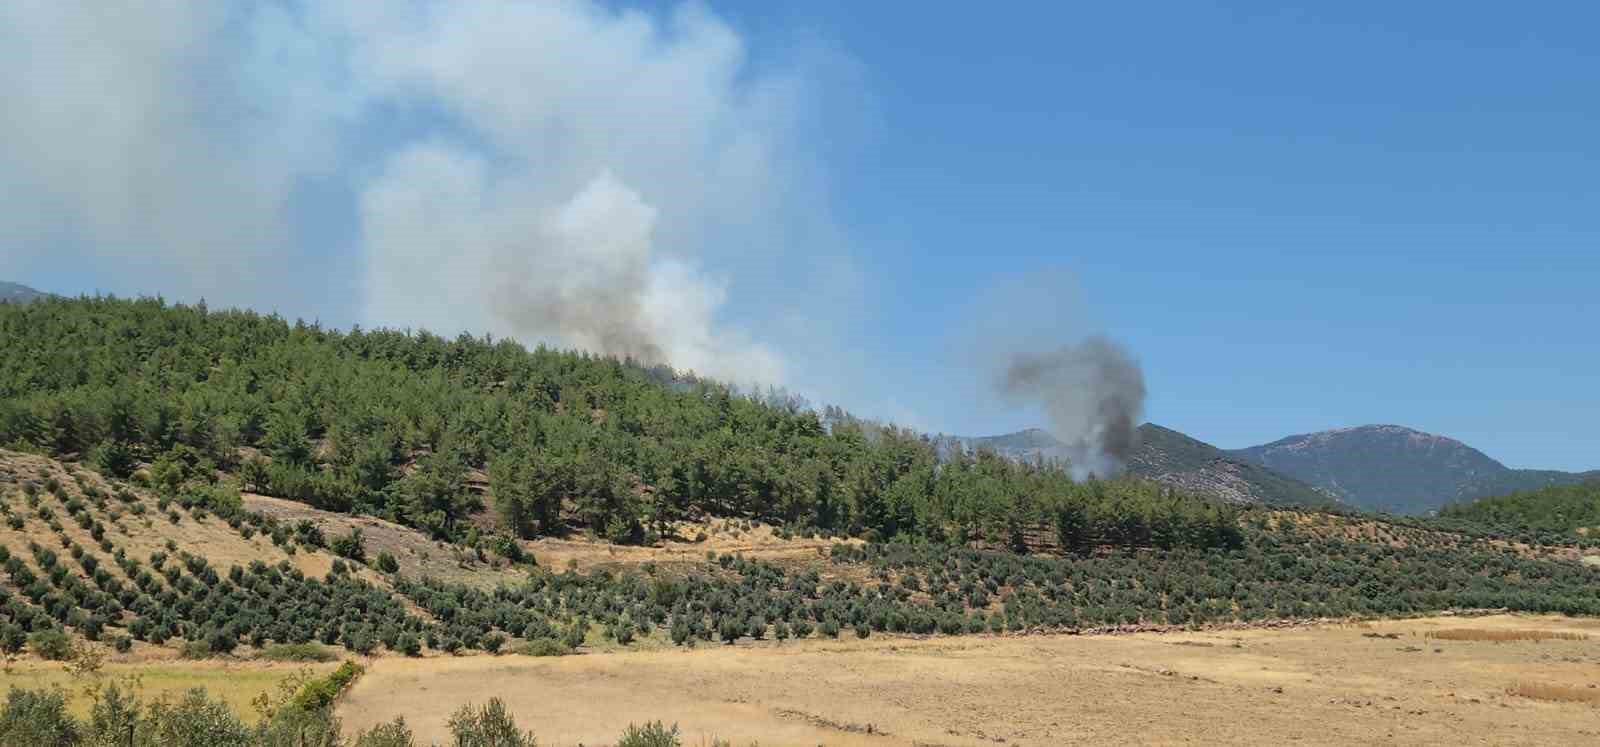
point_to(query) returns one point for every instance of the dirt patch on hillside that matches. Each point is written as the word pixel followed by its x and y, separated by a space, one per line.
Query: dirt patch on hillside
pixel 420 556
pixel 416 554
pixel 1382 682
pixel 689 546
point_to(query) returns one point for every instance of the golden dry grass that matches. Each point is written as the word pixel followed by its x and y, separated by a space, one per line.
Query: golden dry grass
pixel 1556 693
pixel 1305 685
pixel 1506 636
pixel 236 683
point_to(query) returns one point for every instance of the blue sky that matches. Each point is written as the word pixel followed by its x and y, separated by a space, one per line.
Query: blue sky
pixel 1295 218
pixel 1298 218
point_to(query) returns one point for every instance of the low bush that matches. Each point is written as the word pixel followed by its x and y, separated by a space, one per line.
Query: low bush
pixel 320 692
pixel 37 717
pixel 653 734
pixel 307 652
pixel 195 650
pixel 488 726
pixel 393 734
pixel 51 643
pixel 544 647
pixel 351 546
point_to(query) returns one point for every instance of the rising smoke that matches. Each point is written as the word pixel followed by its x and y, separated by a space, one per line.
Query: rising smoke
pixel 1092 392
pixel 567 172
pixel 585 272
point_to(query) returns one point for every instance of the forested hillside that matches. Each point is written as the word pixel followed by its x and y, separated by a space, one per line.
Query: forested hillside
pixel 1559 508
pixel 429 431
pixel 1166 456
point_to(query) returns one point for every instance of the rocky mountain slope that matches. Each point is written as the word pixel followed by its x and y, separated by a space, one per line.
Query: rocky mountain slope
pixel 1394 468
pixel 1180 460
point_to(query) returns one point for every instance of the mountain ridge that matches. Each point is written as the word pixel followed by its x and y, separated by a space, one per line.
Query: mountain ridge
pixel 1172 458
pixel 19 293
pixel 1397 468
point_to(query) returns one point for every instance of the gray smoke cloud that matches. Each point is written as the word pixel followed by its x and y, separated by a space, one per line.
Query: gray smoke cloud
pixel 1093 393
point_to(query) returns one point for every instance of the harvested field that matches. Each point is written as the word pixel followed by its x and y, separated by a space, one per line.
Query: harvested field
pixel 1555 693
pixel 1313 685
pixel 1506 636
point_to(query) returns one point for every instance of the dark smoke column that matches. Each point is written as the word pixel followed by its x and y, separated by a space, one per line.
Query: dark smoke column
pixel 1093 393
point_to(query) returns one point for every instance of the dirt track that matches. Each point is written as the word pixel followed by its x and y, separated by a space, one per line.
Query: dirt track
pixel 1330 685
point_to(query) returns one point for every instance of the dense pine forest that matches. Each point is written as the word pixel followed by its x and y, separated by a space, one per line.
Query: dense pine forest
pixel 1558 509
pixel 410 427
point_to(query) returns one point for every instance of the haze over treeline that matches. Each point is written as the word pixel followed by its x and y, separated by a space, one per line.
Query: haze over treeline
pixel 418 166
pixel 393 424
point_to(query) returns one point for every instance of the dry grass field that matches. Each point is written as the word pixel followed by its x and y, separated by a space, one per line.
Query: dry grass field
pixel 1383 682
pixel 235 682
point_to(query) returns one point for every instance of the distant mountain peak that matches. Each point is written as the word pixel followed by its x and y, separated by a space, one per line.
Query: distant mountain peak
pixel 1396 436
pixel 18 293
pixel 1394 467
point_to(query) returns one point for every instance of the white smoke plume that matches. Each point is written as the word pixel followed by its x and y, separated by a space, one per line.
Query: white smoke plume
pixel 1093 393
pixel 558 171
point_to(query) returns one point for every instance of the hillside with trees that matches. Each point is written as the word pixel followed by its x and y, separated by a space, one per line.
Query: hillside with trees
pixel 430 433
pixel 1558 508
pixel 1166 456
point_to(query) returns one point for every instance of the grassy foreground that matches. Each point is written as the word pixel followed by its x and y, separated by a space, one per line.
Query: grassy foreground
pixel 235 683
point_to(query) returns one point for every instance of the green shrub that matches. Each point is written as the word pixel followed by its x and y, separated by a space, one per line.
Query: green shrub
pixel 492 642
pixel 12 638
pixel 408 644
pixel 387 563
pixel 393 734
pixel 51 643
pixel 489 726
pixel 544 647
pixel 114 715
pixel 652 734
pixel 576 633
pixel 320 693
pixel 297 652
pixel 37 717
pixel 194 650
pixel 351 546
pixel 196 721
